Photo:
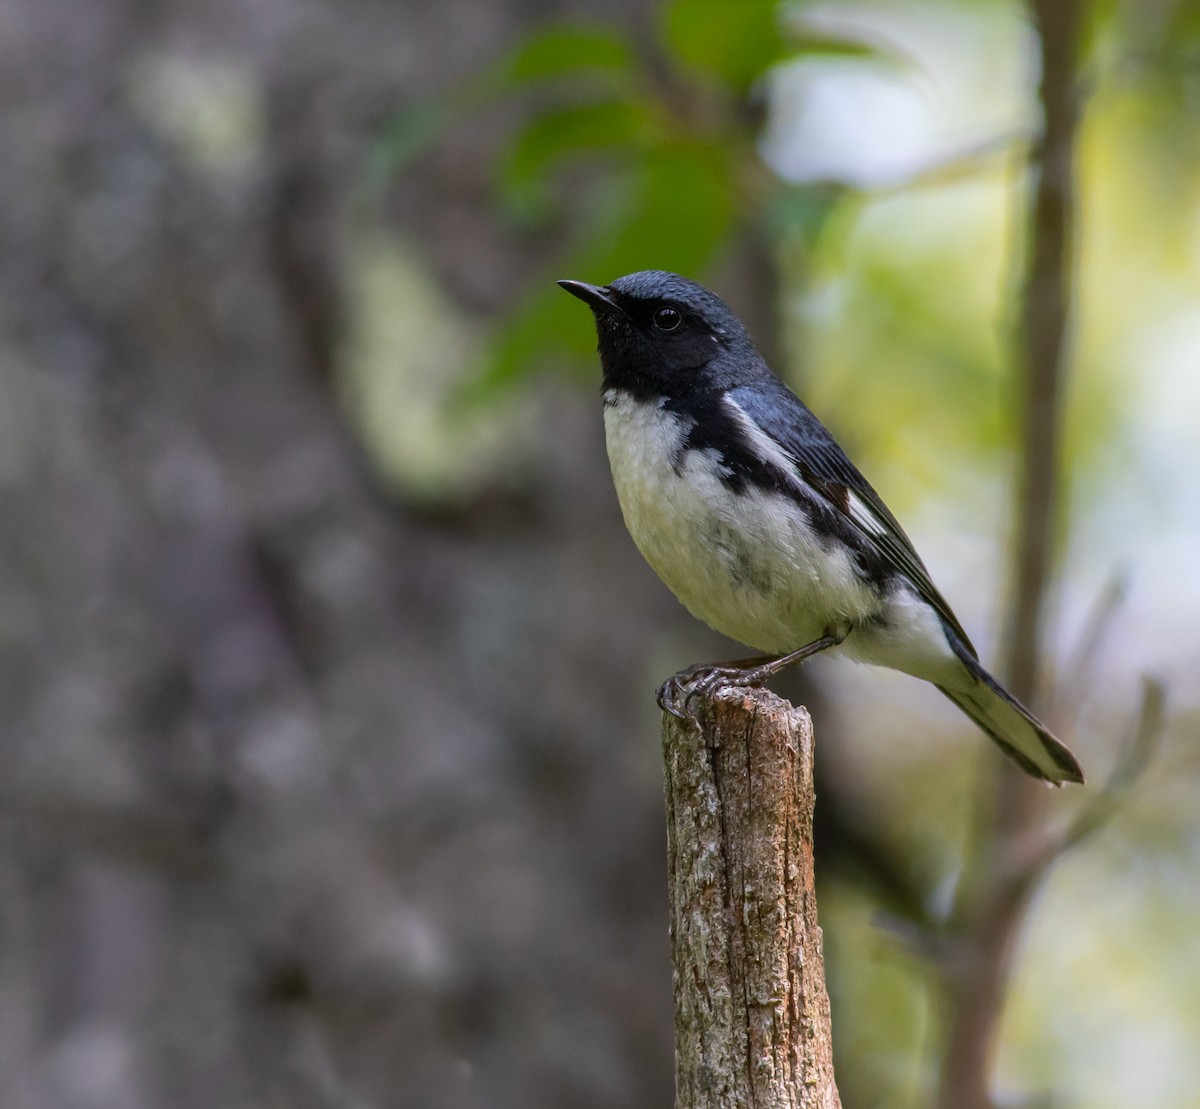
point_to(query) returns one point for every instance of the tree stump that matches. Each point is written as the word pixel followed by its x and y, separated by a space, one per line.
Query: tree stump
pixel 752 1023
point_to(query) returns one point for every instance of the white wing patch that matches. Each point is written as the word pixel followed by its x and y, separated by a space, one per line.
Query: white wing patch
pixel 767 448
pixel 764 446
pixel 863 515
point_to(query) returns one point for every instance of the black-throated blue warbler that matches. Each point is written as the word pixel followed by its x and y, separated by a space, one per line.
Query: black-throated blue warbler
pixel 745 505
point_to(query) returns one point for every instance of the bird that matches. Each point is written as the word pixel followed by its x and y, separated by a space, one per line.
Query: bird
pixel 756 519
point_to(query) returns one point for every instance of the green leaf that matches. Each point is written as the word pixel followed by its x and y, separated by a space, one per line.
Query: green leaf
pixel 810 41
pixel 566 49
pixel 569 49
pixel 739 40
pixel 558 134
pixel 735 39
pixel 683 211
pixel 676 214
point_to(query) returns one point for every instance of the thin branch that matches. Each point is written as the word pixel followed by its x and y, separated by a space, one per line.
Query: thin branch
pixel 1043 335
pixel 995 896
pixel 1136 755
pixel 1137 752
pixel 1071 688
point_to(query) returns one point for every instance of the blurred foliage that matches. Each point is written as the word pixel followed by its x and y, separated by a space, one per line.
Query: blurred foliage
pixel 315 795
pixel 897 303
pixel 669 138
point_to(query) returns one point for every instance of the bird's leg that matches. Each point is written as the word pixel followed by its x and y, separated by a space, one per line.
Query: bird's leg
pixel 676 693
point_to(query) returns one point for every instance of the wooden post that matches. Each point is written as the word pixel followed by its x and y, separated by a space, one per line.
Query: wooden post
pixel 752 1021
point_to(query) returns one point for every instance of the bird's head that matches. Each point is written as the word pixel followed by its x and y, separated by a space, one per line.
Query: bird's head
pixel 656 329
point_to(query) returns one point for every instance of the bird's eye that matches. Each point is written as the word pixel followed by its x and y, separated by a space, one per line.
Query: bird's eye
pixel 667 319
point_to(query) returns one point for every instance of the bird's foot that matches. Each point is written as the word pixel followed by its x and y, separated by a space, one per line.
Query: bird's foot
pixel 677 694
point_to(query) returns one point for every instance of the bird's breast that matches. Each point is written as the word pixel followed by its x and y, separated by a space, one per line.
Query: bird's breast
pixel 745 560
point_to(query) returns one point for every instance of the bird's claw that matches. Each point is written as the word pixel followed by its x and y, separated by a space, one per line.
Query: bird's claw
pixel 678 692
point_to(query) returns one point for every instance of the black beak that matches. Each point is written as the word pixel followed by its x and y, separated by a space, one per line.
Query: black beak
pixel 596 297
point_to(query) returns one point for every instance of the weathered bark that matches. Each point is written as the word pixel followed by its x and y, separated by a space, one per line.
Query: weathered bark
pixel 752 1025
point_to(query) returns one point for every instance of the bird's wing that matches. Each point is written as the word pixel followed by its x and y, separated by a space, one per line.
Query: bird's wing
pixel 804 444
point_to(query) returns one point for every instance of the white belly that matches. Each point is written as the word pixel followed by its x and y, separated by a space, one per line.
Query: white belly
pixel 747 564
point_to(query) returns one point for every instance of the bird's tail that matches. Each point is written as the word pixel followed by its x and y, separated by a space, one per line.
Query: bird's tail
pixel 1015 730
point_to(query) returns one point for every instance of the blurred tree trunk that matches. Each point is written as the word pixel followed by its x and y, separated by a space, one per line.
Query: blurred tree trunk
pixel 1005 867
pixel 277 794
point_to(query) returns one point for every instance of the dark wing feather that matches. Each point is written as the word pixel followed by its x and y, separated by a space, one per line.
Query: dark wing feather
pixel 826 468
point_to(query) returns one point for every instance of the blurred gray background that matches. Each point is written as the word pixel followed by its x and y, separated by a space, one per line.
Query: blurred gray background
pixel 329 768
